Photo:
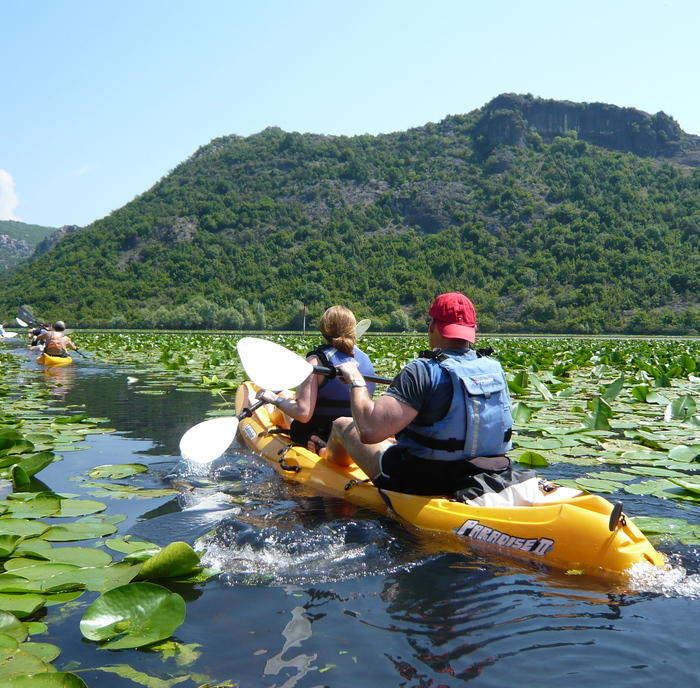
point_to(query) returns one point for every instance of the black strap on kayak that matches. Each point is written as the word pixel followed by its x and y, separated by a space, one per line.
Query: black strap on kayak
pixel 354 483
pixel 283 464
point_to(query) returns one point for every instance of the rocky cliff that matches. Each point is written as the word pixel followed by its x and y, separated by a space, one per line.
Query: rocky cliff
pixel 512 120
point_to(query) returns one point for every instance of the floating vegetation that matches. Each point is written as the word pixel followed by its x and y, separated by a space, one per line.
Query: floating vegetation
pixel 37 574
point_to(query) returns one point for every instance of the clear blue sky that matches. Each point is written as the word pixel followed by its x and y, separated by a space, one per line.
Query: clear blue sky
pixel 102 98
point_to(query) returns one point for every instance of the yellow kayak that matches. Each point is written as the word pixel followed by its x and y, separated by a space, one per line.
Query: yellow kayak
pixel 49 360
pixel 578 533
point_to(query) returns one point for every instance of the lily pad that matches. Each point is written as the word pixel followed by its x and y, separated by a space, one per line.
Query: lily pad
pixel 684 453
pixel 177 559
pixel 117 471
pixel 48 680
pixel 133 615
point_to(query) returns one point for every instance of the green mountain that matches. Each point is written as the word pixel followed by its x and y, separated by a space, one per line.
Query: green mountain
pixel 552 216
pixel 18 241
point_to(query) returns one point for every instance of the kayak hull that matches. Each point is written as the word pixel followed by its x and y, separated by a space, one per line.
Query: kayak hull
pixel 572 534
pixel 48 360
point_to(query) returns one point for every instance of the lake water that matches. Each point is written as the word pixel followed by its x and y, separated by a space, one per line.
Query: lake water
pixel 315 592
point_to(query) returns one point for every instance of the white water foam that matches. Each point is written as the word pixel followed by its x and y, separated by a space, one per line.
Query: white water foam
pixel 673 580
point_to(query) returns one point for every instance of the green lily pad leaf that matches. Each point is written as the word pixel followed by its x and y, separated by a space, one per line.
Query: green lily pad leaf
pixel 8 438
pixel 133 615
pixel 532 459
pixel 17 447
pixel 56 598
pixel 22 526
pixel 599 485
pixel 611 391
pixel 641 455
pixel 44 651
pixel 37 438
pixel 681 408
pixel 653 471
pixel 83 529
pixel 80 556
pixel 96 579
pixel 8 543
pixel 128 546
pixel 18 663
pixel 21 605
pixel 184 655
pixel 679 453
pixel 80 507
pixel 20 479
pixel 653 525
pixel 599 418
pixel 537 442
pixel 650 487
pixel 117 471
pixel 12 626
pixel 37 462
pixel 177 559
pixel 53 680
pixel 541 387
pixel 521 413
pixel 611 475
pixel 690 485
pixel 10 583
pixel 28 505
pixel 36 627
pixel 71 420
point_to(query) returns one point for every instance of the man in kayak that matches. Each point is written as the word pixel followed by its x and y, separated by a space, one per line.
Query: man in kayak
pixel 56 342
pixel 319 399
pixel 444 424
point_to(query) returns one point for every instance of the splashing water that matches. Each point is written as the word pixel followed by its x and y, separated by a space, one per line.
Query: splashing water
pixel 673 580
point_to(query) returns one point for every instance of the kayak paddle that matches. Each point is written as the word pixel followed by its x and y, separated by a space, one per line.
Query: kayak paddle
pixel 21 323
pixel 362 327
pixel 269 366
pixel 209 439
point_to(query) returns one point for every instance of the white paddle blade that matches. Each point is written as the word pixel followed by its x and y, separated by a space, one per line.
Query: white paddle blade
pixel 209 439
pixel 9 335
pixel 270 365
pixel 362 327
pixel 21 323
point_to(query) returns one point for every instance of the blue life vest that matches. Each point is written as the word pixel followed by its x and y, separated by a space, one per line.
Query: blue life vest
pixel 333 398
pixel 479 420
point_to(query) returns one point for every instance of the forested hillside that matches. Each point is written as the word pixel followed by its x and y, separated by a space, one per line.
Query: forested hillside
pixel 18 241
pixel 591 228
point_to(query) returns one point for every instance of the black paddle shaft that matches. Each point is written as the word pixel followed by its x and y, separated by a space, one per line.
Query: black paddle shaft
pixel 333 372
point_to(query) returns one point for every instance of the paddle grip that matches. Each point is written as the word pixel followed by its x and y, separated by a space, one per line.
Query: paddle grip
pixel 333 372
pixel 247 412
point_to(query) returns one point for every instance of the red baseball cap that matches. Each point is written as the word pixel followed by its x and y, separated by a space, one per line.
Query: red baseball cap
pixel 454 316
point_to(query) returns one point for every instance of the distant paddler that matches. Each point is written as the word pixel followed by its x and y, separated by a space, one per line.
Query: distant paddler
pixel 56 341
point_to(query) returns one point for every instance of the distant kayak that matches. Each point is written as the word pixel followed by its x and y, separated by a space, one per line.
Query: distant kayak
pixel 585 533
pixel 48 360
pixel 8 335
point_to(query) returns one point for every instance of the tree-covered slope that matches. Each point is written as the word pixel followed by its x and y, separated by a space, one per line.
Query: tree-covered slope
pixel 543 229
pixel 18 240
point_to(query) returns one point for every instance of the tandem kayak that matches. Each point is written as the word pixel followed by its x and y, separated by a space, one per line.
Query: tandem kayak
pixel 584 533
pixel 49 360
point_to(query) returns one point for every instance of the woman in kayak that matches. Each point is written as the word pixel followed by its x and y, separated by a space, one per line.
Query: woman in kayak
pixel 444 424
pixel 56 342
pixel 320 399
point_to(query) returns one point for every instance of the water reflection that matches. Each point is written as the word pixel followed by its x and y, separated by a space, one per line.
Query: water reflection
pixel 139 410
pixel 59 381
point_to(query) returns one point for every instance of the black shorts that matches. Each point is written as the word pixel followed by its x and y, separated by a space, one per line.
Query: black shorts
pixel 403 472
pixel 300 433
